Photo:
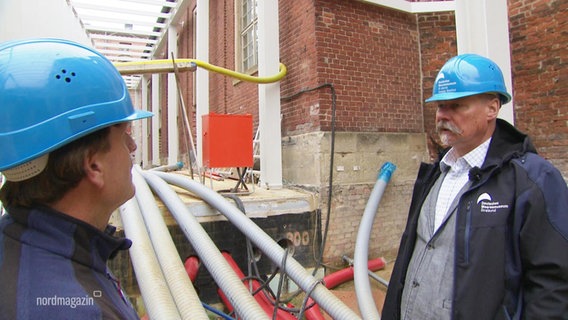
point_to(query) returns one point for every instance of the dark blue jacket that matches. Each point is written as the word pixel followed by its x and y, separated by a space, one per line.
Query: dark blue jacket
pixel 54 267
pixel 511 255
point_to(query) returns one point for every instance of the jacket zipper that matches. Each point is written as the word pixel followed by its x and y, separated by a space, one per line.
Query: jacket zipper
pixel 467 232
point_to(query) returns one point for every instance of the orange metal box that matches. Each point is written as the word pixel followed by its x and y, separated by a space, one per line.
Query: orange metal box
pixel 227 140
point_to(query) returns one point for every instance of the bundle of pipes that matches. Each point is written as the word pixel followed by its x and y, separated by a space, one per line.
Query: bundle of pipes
pixel 160 271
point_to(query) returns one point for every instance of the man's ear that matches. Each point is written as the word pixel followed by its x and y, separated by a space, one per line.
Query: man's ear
pixel 93 167
pixel 493 107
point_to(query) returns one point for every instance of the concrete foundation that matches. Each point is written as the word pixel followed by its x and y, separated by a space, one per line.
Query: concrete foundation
pixel 357 161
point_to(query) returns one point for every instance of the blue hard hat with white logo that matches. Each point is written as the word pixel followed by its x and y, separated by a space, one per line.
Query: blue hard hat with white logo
pixel 467 75
pixel 54 91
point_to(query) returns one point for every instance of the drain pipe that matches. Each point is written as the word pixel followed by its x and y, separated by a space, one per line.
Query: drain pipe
pixel 362 284
pixel 245 305
pixel 325 299
pixel 187 301
pixel 153 287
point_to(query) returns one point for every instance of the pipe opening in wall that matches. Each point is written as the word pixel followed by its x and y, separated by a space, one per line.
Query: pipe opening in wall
pixel 287 244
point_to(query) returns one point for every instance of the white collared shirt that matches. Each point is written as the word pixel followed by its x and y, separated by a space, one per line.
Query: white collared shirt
pixel 457 177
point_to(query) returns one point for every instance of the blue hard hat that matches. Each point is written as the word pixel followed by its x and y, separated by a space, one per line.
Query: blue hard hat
pixel 54 91
pixel 467 75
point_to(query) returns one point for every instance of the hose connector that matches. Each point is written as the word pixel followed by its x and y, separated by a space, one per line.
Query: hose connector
pixel 386 171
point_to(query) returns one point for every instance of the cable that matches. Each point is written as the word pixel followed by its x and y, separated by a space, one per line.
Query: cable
pixel 331 160
pixel 217 312
pixel 210 67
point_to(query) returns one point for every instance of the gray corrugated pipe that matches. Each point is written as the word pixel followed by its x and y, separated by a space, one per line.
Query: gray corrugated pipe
pixel 363 291
pixel 171 167
pixel 325 299
pixel 155 291
pixel 245 305
pixel 187 301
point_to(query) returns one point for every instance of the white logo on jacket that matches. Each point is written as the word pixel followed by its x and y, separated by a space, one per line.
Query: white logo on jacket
pixel 488 205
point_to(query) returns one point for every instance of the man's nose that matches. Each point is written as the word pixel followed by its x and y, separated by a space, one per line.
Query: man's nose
pixel 131 144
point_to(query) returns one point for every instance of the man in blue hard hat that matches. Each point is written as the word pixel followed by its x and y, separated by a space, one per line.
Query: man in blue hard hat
pixel 487 231
pixel 65 144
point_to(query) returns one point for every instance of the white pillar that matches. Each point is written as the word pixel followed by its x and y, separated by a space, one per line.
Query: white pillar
pixel 269 95
pixel 136 129
pixel 156 119
pixel 201 76
pixel 144 136
pixel 173 101
pixel 482 27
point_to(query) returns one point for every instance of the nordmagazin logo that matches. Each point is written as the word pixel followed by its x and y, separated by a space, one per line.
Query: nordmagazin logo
pixel 68 301
pixel 488 205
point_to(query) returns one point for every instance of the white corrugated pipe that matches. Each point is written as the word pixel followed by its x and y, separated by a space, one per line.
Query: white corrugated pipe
pixel 187 301
pixel 153 287
pixel 245 305
pixel 325 299
pixel 171 167
pixel 363 291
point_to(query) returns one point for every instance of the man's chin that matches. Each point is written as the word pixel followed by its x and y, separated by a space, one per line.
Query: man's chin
pixel 446 138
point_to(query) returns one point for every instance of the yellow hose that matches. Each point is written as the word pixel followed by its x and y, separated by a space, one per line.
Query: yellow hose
pixel 202 64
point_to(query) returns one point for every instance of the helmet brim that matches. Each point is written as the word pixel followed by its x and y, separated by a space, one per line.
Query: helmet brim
pixel 504 97
pixel 139 114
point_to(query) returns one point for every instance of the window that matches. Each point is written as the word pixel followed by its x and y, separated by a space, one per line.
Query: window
pixel 247 40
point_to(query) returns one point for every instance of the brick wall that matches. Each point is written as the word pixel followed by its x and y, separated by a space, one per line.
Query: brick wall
pixel 437 45
pixel 539 47
pixel 369 53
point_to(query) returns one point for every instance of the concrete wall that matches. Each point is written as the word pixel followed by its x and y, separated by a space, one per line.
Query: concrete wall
pixel 357 161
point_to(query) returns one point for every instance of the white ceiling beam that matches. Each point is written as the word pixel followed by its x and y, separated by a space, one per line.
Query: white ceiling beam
pixel 177 14
pixel 123 31
pixel 116 58
pixel 154 2
pixel 92 18
pixel 114 38
pixel 126 53
pixel 118 45
pixel 81 5
pixel 415 7
pixel 434 6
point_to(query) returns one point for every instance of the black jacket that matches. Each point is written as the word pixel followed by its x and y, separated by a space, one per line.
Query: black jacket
pixel 53 266
pixel 511 255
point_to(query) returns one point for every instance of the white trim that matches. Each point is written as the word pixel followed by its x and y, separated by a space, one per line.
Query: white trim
pixel 415 7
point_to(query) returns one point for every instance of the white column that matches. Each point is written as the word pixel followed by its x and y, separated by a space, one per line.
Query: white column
pixel 173 101
pixel 269 95
pixel 156 119
pixel 201 76
pixel 482 27
pixel 144 136
pixel 136 134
